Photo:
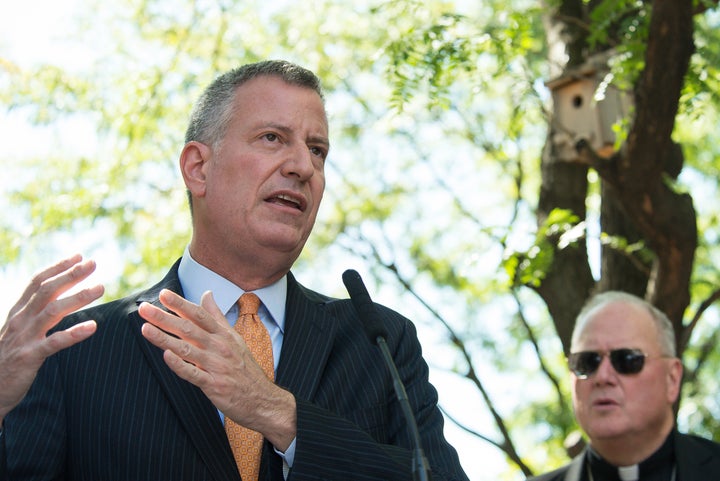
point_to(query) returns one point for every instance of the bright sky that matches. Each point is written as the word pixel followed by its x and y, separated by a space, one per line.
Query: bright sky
pixel 27 37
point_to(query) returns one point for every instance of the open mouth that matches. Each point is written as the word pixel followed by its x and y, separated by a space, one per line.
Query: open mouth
pixel 604 402
pixel 288 200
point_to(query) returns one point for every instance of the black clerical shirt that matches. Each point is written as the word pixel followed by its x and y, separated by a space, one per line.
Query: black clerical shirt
pixel 660 466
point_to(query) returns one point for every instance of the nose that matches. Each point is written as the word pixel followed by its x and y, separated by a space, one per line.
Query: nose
pixel 299 163
pixel 605 372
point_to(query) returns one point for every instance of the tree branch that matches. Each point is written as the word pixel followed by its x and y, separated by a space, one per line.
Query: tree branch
pixel 536 347
pixel 507 445
pixel 687 331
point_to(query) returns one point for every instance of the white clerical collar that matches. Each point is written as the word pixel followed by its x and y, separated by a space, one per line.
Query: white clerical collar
pixel 626 473
pixel 195 279
pixel 629 473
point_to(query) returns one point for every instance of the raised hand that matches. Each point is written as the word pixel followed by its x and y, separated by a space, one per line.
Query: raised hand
pixel 24 343
pixel 200 347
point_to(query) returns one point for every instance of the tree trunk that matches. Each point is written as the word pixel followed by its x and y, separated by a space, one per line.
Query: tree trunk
pixel 638 203
pixel 620 270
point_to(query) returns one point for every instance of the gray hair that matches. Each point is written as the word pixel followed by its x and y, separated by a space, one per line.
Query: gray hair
pixel 214 109
pixel 664 328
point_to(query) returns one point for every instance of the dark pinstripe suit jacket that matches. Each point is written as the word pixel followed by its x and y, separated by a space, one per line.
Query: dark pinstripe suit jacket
pixel 110 409
pixel 697 459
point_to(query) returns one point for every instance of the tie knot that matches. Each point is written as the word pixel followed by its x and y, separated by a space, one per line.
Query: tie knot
pixel 249 303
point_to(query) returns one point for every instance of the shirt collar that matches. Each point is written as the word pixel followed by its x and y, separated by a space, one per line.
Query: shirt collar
pixel 195 279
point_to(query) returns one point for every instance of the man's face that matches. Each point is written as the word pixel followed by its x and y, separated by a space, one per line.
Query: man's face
pixel 263 184
pixel 611 406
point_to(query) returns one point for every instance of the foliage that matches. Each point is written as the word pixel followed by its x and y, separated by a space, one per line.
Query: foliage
pixel 561 228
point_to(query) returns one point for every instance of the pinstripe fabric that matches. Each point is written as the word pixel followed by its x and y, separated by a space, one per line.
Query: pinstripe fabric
pixel 161 427
pixel 349 425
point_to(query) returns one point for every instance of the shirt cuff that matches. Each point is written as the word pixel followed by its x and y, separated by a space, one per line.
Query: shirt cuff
pixel 288 457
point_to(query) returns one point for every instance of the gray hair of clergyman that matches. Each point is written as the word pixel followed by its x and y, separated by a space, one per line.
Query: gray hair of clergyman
pixel 663 326
pixel 215 108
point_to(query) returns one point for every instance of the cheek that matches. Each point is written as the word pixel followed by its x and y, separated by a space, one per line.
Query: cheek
pixel 319 195
pixel 673 377
pixel 319 183
pixel 317 189
pixel 579 394
pixel 660 388
pixel 646 398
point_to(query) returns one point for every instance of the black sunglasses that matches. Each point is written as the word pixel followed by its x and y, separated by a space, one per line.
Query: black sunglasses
pixel 624 361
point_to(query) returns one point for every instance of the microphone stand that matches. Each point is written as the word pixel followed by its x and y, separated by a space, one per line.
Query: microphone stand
pixel 377 333
pixel 420 466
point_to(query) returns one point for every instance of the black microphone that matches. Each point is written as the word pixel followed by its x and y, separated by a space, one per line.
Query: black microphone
pixel 377 333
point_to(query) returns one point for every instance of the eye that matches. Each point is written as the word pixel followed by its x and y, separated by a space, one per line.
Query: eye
pixel 317 151
pixel 271 137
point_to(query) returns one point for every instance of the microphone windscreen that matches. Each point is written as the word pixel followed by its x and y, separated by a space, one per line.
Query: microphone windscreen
pixel 365 307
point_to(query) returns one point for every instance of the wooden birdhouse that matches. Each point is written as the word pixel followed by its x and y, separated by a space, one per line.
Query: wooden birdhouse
pixel 586 105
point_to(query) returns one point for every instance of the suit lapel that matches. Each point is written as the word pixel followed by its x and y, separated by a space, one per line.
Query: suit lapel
pixel 309 336
pixel 195 412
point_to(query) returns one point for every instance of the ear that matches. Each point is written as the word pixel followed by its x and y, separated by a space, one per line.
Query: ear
pixel 193 165
pixel 674 377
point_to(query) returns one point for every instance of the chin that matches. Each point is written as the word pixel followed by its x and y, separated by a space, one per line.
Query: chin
pixel 604 431
pixel 286 245
pixel 284 240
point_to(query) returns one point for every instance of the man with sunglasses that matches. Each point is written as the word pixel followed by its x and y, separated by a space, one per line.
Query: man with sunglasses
pixel 625 379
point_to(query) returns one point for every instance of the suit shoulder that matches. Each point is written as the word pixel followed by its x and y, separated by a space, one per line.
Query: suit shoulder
pixel 108 311
pixel 345 309
pixel 312 295
pixel 345 306
pixel 693 440
pixel 101 313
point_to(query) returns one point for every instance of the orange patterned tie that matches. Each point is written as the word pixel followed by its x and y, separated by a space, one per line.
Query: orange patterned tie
pixel 246 444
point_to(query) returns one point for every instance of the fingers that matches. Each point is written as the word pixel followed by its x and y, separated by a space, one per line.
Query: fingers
pixel 207 316
pixel 185 319
pixel 59 308
pixel 181 356
pixel 24 343
pixel 186 370
pixel 46 286
pixel 49 272
pixel 187 330
pixel 39 307
pixel 187 348
pixel 200 347
pixel 40 277
pixel 60 340
pixel 207 301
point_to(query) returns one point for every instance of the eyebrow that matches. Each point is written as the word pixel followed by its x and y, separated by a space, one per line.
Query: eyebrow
pixel 315 139
pixel 320 140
